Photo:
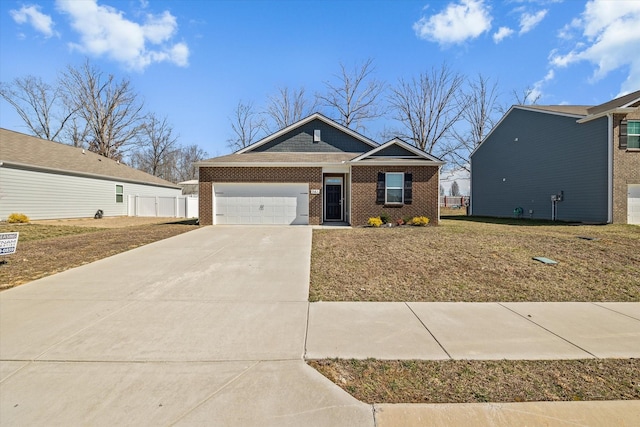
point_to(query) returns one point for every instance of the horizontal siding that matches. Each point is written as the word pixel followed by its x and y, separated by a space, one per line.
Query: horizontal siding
pixel 300 140
pixel 49 196
pixel 552 153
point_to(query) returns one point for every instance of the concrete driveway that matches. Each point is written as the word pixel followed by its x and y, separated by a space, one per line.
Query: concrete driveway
pixel 205 328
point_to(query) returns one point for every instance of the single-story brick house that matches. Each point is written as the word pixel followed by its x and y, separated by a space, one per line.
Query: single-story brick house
pixel 317 171
pixel 562 162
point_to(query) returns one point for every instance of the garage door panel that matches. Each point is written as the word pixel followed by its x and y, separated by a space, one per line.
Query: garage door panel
pixel 261 203
pixel 633 204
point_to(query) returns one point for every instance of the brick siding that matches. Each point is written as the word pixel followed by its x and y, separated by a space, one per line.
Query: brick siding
pixel 211 175
pixel 626 169
pixel 363 194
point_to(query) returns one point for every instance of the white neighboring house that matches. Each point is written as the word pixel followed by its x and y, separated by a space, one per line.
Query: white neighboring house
pixel 49 180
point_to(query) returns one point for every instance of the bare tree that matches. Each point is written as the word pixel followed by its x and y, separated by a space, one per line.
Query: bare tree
pixel 111 109
pixel 478 118
pixel 38 104
pixel 428 106
pixel 528 96
pixel 156 146
pixel 246 124
pixel 187 156
pixel 454 191
pixel 353 98
pixel 287 107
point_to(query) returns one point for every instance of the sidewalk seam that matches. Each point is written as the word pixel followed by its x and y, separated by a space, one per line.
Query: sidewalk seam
pixel 430 333
pixel 206 399
pixel 597 304
pixel 548 330
pixel 306 333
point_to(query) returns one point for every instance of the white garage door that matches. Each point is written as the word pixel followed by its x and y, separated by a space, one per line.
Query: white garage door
pixel 261 203
pixel 633 204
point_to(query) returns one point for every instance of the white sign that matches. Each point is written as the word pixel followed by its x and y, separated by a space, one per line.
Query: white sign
pixel 315 191
pixel 8 243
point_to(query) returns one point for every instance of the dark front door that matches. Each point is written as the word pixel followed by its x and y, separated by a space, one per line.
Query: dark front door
pixel 333 194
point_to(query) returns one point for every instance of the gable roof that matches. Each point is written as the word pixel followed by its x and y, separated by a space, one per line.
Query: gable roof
pixel 28 152
pixel 572 110
pixel 418 155
pixel 620 102
pixel 272 159
pixel 315 116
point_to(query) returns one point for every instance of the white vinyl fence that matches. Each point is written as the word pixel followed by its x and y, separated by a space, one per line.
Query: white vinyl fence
pixel 177 207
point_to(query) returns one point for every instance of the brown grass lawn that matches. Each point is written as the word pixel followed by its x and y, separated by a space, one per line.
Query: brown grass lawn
pixel 45 249
pixel 466 259
pixel 473 259
pixel 462 381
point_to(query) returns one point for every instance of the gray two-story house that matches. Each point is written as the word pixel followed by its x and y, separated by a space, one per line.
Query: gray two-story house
pixel 561 162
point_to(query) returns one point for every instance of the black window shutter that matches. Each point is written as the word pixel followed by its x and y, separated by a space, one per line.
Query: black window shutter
pixel 622 136
pixel 380 188
pixel 408 188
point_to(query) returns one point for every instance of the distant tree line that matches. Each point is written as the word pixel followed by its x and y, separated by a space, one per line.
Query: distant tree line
pixel 439 111
pixel 86 108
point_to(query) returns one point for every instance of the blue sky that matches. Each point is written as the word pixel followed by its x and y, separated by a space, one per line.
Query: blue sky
pixel 192 61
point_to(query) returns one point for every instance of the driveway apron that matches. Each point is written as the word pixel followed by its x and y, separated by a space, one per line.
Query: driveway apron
pixel 205 328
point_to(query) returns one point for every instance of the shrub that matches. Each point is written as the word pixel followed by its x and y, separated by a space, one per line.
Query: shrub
pixel 420 221
pixel 374 221
pixel 17 218
pixel 384 217
pixel 407 220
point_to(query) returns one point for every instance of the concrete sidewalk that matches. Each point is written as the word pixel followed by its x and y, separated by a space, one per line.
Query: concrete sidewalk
pixel 489 331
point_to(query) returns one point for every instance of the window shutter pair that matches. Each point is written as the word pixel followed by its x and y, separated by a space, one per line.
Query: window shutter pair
pixel 408 188
pixel 622 136
pixel 380 188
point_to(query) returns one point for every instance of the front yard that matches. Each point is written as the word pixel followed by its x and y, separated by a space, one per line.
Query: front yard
pixel 468 260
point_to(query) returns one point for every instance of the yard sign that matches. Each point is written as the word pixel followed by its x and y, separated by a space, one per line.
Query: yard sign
pixel 8 243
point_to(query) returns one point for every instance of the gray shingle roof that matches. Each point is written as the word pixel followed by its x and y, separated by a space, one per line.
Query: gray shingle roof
pixel 615 103
pixel 18 148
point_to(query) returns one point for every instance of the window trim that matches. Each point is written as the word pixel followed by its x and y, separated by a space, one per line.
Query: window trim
pixel 121 193
pixel 629 134
pixel 387 188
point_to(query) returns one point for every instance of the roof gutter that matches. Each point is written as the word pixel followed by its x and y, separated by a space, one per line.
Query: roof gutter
pixel 312 164
pixel 23 166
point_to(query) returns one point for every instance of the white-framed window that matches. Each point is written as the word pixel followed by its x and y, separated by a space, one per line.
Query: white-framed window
pixel 394 188
pixel 119 193
pixel 633 134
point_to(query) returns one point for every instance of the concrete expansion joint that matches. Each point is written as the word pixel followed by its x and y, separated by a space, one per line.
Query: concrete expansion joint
pixel 430 333
pixel 615 311
pixel 214 393
pixel 528 318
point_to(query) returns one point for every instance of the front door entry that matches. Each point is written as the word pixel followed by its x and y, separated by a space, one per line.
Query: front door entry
pixel 333 199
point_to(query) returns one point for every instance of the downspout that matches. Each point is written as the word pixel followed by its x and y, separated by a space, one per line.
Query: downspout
pixel 610 168
pixel 350 192
pixel 439 171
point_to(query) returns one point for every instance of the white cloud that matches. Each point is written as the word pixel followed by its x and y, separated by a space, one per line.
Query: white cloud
pixel 536 91
pixel 457 23
pixel 104 30
pixel 529 21
pixel 38 20
pixel 609 40
pixel 501 34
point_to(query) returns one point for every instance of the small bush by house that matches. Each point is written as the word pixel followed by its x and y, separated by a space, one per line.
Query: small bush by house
pixel 17 218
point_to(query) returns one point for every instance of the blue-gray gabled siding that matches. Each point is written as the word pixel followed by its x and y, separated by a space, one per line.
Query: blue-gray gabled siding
pixel 552 153
pixel 300 140
pixel 395 151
